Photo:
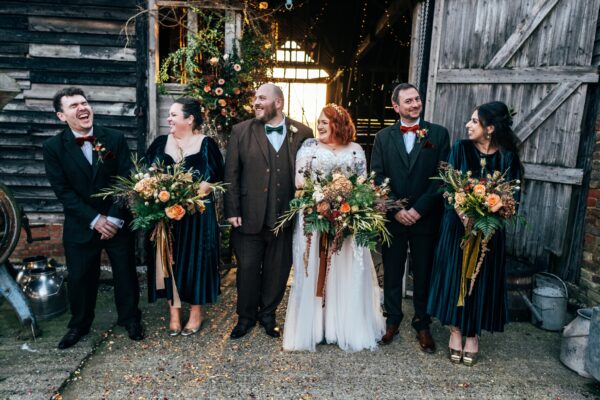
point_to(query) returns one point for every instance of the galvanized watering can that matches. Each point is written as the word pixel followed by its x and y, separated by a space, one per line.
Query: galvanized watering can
pixel 549 302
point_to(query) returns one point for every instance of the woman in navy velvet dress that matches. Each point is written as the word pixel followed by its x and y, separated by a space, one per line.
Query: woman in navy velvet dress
pixel 491 139
pixel 195 236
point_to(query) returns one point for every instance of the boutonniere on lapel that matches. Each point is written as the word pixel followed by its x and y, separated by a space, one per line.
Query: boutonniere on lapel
pixel 293 130
pixel 421 134
pixel 103 153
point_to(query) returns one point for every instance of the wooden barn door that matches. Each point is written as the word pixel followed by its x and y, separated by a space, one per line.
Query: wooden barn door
pixel 534 55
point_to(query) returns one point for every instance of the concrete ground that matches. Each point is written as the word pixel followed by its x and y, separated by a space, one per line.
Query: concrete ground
pixel 520 363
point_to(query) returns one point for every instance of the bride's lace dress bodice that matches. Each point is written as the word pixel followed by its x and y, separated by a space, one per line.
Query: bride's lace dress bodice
pixel 318 157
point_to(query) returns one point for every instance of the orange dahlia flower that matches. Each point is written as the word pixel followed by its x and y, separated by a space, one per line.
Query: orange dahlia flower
pixel 479 190
pixel 345 207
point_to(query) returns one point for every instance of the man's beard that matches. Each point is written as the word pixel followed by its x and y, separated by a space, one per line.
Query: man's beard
pixel 269 112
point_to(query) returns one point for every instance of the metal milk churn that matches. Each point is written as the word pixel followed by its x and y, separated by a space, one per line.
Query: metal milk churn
pixel 574 345
pixel 592 361
pixel 43 286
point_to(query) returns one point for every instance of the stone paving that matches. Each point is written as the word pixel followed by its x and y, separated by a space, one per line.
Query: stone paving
pixel 520 363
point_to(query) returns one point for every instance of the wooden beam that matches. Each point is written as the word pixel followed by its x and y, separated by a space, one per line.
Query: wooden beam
pixel 436 38
pixel 8 89
pixel 48 24
pixel 94 93
pixel 43 10
pixel 141 95
pixel 338 74
pixel 82 52
pixel 548 173
pixel 299 80
pixel 520 75
pixel 381 27
pixel 545 108
pixel 109 108
pixel 213 5
pixel 523 31
pixel 153 63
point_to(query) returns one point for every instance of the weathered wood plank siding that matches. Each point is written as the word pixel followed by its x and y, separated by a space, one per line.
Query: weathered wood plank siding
pixel 536 56
pixel 46 45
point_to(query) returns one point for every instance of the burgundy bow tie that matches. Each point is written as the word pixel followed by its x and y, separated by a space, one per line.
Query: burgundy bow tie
pixel 81 140
pixel 406 129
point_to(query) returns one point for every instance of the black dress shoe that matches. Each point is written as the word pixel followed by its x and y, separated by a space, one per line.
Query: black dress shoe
pixel 135 330
pixel 71 338
pixel 240 330
pixel 272 330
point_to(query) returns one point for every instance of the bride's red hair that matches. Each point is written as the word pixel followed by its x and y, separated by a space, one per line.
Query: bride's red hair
pixel 342 127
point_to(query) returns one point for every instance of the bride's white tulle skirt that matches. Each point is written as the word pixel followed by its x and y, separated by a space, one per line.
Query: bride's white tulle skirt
pixel 352 316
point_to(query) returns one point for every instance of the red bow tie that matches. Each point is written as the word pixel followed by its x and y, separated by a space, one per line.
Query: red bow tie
pixel 406 129
pixel 81 140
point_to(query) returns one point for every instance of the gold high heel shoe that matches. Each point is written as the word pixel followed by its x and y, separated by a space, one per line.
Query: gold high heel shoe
pixel 174 332
pixel 455 355
pixel 469 359
pixel 190 331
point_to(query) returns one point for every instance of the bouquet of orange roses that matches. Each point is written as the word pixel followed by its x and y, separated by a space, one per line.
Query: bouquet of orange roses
pixel 486 204
pixel 157 195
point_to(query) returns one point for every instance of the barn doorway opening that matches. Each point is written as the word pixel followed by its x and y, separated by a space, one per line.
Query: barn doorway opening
pixel 365 47
pixel 304 83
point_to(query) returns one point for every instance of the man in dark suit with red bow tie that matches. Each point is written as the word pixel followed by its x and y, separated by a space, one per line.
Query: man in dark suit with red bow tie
pixel 80 161
pixel 409 153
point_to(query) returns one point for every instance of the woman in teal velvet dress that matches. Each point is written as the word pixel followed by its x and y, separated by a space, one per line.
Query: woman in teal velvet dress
pixel 195 236
pixel 491 139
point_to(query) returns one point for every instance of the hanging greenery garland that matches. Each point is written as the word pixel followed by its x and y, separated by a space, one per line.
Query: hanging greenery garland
pixel 224 83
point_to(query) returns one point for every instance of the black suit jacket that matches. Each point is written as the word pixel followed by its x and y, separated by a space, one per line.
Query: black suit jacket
pixel 74 180
pixel 247 170
pixel 410 173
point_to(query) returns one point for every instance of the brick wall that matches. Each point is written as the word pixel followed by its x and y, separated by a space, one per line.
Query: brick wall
pixel 589 283
pixel 52 248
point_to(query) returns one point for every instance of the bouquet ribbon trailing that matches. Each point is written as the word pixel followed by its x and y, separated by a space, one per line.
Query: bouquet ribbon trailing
pixel 323 250
pixel 471 248
pixel 164 259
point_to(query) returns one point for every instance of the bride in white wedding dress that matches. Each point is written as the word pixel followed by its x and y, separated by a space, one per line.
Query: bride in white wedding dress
pixel 349 313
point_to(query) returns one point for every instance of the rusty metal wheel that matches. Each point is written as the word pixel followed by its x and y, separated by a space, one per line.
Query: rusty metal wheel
pixel 10 223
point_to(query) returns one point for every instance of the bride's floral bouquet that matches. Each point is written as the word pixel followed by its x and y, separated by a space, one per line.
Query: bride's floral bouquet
pixel 157 195
pixel 340 204
pixel 485 205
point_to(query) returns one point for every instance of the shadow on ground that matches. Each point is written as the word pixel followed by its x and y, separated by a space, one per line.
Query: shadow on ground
pixel 519 363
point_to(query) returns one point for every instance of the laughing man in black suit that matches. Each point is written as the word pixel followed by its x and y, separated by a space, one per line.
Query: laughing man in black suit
pixel 80 161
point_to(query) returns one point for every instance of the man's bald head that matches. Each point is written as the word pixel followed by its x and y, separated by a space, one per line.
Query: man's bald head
pixel 268 104
pixel 274 89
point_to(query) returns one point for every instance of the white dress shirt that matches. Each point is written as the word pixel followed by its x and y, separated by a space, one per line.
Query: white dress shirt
pixel 275 138
pixel 409 137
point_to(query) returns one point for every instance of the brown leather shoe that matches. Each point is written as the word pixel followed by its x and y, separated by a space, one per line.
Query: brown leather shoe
pixel 390 332
pixel 426 341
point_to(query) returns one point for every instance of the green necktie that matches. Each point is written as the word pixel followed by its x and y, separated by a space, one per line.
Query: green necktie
pixel 271 129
